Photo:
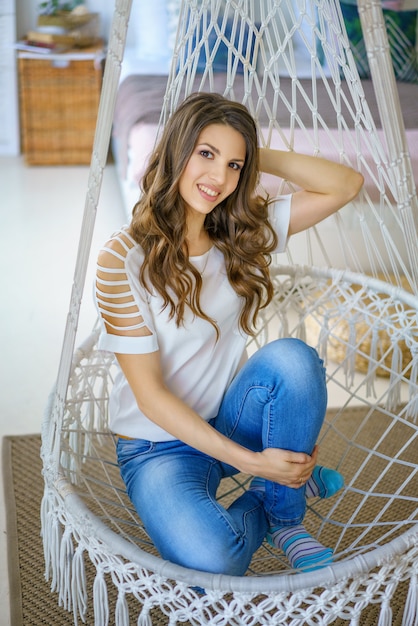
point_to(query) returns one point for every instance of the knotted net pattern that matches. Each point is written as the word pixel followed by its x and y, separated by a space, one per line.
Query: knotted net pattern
pixel 347 286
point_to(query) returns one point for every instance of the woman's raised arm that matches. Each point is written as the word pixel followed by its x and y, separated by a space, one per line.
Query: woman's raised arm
pixel 324 186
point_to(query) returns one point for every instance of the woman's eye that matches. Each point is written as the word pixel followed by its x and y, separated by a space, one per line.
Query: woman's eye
pixel 206 153
pixel 235 166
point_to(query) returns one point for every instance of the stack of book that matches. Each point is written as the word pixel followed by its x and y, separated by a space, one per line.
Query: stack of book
pixel 31 44
pixel 58 33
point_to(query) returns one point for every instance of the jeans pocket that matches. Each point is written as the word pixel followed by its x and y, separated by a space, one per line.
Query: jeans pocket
pixel 129 449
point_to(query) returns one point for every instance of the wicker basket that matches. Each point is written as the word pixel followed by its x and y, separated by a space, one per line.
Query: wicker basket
pixel 58 108
pixel 354 328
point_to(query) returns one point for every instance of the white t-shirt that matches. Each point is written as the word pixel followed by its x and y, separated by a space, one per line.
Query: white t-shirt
pixel 196 368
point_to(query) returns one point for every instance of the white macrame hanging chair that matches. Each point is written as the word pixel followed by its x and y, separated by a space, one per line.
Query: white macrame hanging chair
pixel 353 296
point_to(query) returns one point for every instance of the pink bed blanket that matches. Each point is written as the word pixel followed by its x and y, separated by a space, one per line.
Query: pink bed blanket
pixel 140 100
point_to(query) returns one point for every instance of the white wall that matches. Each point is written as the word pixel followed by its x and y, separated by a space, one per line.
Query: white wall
pixel 9 128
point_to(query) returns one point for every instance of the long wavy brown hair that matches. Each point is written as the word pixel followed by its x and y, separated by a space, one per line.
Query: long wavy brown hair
pixel 238 226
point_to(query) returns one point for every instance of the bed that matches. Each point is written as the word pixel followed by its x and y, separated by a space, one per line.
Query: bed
pixel 137 116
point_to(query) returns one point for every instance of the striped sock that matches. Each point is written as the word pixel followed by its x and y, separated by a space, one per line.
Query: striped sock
pixel 323 482
pixel 257 484
pixel 301 549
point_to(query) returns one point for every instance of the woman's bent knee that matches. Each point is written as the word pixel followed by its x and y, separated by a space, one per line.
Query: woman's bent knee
pixel 291 359
pixel 289 348
pixel 212 556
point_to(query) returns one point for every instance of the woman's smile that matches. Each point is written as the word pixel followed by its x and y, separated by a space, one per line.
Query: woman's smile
pixel 208 191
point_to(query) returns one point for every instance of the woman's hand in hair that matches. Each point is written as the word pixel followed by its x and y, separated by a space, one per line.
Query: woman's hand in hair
pixel 323 186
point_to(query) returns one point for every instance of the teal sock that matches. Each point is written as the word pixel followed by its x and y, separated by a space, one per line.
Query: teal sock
pixel 323 482
pixel 301 549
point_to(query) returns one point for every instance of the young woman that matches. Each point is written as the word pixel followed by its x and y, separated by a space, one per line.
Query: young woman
pixel 178 292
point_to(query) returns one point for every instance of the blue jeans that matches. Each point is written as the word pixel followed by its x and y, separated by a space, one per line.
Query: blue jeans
pixel 278 399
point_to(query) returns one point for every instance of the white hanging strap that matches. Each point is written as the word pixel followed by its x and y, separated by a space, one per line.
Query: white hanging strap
pixel 387 96
pixel 101 143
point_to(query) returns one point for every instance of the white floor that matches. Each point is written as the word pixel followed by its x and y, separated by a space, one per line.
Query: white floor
pixel 41 213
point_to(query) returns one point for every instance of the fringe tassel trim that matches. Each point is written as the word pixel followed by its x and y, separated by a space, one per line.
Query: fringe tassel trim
pixel 410 615
pixel 51 534
pixel 122 610
pixel 100 599
pixel 395 382
pixel 350 362
pixel 144 618
pixel 386 614
pixel 65 566
pixel 78 585
pixel 323 338
pixel 371 373
pixel 413 380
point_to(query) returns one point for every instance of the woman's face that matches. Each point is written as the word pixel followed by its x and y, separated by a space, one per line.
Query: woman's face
pixel 213 170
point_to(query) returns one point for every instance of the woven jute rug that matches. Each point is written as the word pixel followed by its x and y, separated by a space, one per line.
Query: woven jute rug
pixel 32 602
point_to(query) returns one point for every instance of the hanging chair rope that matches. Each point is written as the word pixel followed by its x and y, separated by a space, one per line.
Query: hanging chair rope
pixel 381 69
pixel 99 157
pixel 358 322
